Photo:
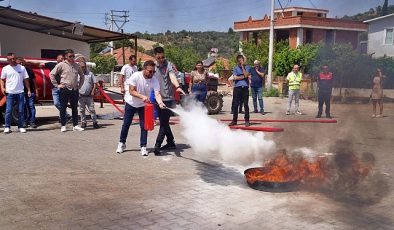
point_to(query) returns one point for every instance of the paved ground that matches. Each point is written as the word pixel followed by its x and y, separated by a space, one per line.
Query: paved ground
pixel 75 180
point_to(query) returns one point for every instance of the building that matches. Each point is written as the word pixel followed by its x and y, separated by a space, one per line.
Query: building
pixel 380 36
pixel 301 26
pixel 118 54
pixel 32 35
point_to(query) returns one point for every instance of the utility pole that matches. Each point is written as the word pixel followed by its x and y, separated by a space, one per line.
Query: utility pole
pixel 271 45
pixel 112 19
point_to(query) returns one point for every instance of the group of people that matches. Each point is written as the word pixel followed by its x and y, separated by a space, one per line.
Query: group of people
pixel 245 77
pixel 157 76
pixel 72 84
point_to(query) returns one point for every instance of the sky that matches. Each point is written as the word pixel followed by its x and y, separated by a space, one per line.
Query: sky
pixel 161 15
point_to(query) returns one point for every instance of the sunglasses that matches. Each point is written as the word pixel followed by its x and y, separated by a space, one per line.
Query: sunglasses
pixel 151 71
pixel 71 56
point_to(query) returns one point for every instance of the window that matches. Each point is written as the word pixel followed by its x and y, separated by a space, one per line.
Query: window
pixel 388 39
pixel 300 13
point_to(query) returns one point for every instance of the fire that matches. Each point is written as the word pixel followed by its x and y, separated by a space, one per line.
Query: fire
pixel 319 170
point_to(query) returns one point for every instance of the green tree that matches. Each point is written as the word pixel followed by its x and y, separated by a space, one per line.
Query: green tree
pixel 183 58
pixel 385 7
pixel 104 64
pixel 96 48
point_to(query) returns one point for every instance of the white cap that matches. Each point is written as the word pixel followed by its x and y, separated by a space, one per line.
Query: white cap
pixel 256 62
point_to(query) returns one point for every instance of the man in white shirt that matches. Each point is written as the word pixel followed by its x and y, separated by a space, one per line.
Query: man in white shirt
pixel 13 79
pixel 126 72
pixel 137 92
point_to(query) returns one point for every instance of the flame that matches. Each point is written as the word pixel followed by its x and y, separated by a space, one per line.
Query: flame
pixel 318 170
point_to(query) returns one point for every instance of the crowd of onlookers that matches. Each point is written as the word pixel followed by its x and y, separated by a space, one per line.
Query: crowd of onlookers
pixel 73 85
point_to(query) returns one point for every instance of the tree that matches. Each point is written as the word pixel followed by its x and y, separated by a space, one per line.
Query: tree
pixel 385 7
pixel 230 31
pixel 184 59
pixel 96 48
pixel 104 64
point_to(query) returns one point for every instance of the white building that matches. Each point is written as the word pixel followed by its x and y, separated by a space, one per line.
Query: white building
pixel 31 35
pixel 381 36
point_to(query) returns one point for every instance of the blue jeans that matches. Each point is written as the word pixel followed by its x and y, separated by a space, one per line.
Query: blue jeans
pixel 20 99
pixel 129 112
pixel 56 98
pixel 30 115
pixel 257 93
pixel 200 91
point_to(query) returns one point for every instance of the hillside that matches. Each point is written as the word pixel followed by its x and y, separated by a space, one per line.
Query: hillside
pixel 371 13
pixel 200 42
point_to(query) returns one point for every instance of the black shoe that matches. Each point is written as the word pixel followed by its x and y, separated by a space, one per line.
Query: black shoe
pixel 318 116
pixel 83 125
pixel 232 123
pixel 157 151
pixel 168 146
pixel 95 125
pixel 247 124
pixel 255 111
pixel 33 125
pixel 262 112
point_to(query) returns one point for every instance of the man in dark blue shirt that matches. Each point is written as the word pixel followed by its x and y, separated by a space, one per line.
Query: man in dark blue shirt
pixel 241 89
pixel 256 86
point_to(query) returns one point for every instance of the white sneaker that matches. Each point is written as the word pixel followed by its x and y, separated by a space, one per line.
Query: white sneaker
pixel 379 116
pixel 63 129
pixel 288 113
pixel 22 130
pixel 298 113
pixel 7 130
pixel 144 152
pixel 120 148
pixel 78 128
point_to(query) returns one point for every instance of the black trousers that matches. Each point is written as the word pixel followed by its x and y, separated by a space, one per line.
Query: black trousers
pixel 165 129
pixel 241 94
pixel 67 96
pixel 324 98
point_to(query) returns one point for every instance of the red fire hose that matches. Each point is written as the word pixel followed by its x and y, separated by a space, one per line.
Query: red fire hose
pixel 261 129
pixel 110 100
pixel 287 121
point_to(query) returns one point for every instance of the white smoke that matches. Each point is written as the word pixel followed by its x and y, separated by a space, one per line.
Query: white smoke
pixel 207 135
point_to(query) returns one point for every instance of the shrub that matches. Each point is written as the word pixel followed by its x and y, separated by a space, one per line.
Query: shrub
pixel 104 64
pixel 271 92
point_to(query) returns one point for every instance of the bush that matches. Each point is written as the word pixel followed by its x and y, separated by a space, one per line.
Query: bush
pixel 104 64
pixel 271 92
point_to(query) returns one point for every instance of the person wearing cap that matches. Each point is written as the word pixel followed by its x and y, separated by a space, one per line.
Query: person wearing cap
pixel 294 79
pixel 256 86
pixel 324 83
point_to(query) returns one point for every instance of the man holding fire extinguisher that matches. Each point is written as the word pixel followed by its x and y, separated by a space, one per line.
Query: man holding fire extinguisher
pixel 137 92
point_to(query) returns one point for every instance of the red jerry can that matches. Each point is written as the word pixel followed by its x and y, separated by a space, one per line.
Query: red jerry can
pixel 149 120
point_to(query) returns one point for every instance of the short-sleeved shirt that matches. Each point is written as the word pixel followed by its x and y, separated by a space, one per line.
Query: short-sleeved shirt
pixel 198 77
pixel 32 77
pixel 256 79
pixel 237 71
pixel 163 76
pixel 143 86
pixel 128 70
pixel 88 83
pixel 14 76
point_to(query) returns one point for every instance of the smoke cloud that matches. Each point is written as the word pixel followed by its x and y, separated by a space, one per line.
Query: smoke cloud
pixel 206 136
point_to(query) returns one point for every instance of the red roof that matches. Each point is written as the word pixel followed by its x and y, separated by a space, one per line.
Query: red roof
pixel 118 54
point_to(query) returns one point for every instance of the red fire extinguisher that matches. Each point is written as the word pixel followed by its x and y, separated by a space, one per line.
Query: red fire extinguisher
pixel 149 120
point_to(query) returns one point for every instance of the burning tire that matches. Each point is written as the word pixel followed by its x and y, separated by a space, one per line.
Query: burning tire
pixel 214 102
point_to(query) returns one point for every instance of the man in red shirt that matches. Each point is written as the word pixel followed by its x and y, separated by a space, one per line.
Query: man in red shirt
pixel 324 83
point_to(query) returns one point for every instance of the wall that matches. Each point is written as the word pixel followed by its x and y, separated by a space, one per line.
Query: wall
pixel 29 44
pixel 342 36
pixel 293 38
pixel 318 35
pixel 376 36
